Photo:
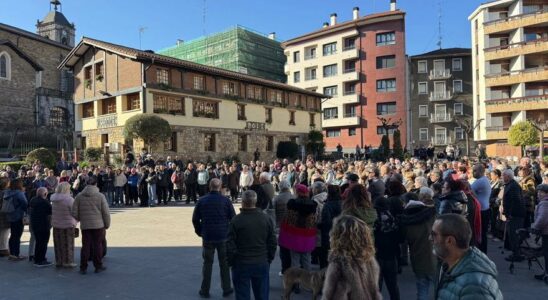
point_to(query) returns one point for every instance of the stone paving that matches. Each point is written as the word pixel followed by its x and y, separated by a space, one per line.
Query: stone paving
pixel 154 254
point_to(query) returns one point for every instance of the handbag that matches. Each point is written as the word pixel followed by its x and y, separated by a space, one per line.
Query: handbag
pixel 76 232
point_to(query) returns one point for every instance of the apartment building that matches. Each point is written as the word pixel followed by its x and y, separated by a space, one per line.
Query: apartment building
pixel 361 65
pixel 441 96
pixel 509 61
pixel 213 113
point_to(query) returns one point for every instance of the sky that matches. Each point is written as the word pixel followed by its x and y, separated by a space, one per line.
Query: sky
pixel 165 21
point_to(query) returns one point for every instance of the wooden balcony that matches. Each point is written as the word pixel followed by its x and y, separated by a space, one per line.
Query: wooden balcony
pixel 515 22
pixel 515 49
pixel 516 104
pixel 515 77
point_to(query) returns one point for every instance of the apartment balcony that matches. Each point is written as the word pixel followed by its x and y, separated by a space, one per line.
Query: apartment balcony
pixel 497 132
pixel 347 120
pixel 349 97
pixel 439 74
pixel 515 77
pixel 516 104
pixel 350 75
pixel 440 96
pixel 440 118
pixel 350 53
pixel 441 140
pixel 515 22
pixel 515 49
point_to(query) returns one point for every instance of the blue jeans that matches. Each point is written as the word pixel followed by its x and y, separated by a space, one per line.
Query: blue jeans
pixel 119 195
pixel 257 275
pixel 109 195
pixel 152 197
pixel 423 286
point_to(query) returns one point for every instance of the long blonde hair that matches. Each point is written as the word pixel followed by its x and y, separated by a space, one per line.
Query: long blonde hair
pixel 351 239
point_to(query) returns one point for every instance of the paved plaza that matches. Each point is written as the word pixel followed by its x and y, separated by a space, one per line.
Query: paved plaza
pixel 155 254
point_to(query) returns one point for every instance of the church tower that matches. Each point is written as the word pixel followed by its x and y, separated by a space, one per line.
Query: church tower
pixel 55 26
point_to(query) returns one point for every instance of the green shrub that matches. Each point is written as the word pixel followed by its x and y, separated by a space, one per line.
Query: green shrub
pixel 93 154
pixel 84 164
pixel 45 156
pixel 15 165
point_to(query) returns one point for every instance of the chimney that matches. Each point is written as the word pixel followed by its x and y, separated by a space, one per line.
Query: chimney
pixel 392 5
pixel 180 42
pixel 325 24
pixel 333 19
pixel 355 13
pixel 272 35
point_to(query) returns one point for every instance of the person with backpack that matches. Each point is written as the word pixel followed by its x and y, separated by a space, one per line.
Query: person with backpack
pixel 15 206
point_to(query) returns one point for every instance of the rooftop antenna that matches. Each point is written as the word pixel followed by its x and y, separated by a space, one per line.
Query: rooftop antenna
pixel 141 31
pixel 440 38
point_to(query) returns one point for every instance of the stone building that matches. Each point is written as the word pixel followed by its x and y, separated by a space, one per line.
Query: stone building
pixel 440 84
pixel 35 96
pixel 213 112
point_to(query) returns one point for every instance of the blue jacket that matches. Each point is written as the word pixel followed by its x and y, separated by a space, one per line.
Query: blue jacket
pixel 212 216
pixel 20 203
pixel 473 277
pixel 133 180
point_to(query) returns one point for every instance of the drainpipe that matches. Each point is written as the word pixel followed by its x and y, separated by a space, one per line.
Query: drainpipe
pixel 361 87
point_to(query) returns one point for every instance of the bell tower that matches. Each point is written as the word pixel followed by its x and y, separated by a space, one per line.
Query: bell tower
pixel 55 25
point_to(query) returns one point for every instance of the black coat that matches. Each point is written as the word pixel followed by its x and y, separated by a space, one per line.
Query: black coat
pixel 512 200
pixel 330 210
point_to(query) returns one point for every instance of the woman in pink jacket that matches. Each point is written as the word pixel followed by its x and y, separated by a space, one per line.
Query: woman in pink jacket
pixel 63 226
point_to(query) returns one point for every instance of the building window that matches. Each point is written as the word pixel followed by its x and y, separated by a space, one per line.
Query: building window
pixel 349 43
pixel 254 92
pixel 312 120
pixel 457 86
pixel 384 62
pixel 164 104
pixel 171 143
pixel 457 64
pixel 242 142
pixel 333 133
pixel 88 110
pixel 205 109
pixel 310 74
pixel 87 77
pixel 330 113
pixel 276 96
pixel 209 142
pixel 268 115
pixel 99 71
pixel 162 76
pixel 422 66
pixel 309 53
pixel 351 131
pixel 229 88
pixel 58 117
pixel 241 112
pixel 330 90
pixel 269 143
pixel 423 111
pixel 423 134
pixel 329 49
pixel 349 66
pixel 109 106
pixel 5 66
pixel 296 77
pixel 387 108
pixel 291 118
pixel 382 131
pixel 459 133
pixel 133 101
pixel 330 70
pixel 296 56
pixel 387 38
pixel 423 88
pixel 458 109
pixel 349 111
pixel 386 85
pixel 198 83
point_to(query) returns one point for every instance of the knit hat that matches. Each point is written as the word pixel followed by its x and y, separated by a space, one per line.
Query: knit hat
pixel 542 188
pixel 301 190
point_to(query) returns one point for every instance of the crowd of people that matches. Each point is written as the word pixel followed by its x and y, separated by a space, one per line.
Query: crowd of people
pixel 361 221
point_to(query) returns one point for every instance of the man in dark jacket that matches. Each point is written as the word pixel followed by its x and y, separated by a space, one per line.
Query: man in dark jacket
pixel 40 221
pixel 211 219
pixel 251 248
pixel 466 272
pixel 514 210
pixel 162 186
pixel 191 183
pixel 233 183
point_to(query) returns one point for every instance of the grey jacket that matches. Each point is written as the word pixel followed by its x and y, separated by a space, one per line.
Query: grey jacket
pixel 90 208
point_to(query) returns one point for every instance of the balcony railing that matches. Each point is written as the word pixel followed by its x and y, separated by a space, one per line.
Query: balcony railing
pixel 441 140
pixel 309 56
pixel 516 21
pixel 349 70
pixel 439 74
pixel 310 77
pixel 349 47
pixel 497 128
pixel 516 76
pixel 348 93
pixel 440 118
pixel 440 96
pixel 514 17
pixel 350 115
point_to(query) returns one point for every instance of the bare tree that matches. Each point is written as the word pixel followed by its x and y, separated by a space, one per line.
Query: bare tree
pixel 468 126
pixel 541 125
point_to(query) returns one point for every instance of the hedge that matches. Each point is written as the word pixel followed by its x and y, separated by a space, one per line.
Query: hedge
pixel 15 165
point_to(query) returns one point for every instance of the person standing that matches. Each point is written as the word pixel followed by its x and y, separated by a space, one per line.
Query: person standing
pixel 246 178
pixel 162 186
pixel 514 210
pixel 63 226
pixel 233 183
pixel 91 210
pixel 178 181
pixel 280 208
pixel 251 247
pixel 19 203
pixel 40 221
pixel 191 182
pixel 482 189
pixel 152 181
pixel 4 223
pixel 211 219
pixel 120 181
pixel 202 180
pixel 133 187
pixel 466 272
pixel 541 225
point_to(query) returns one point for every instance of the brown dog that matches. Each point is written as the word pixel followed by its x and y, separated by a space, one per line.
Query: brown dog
pixel 310 280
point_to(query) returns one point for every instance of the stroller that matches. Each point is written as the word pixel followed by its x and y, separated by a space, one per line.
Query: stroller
pixel 530 248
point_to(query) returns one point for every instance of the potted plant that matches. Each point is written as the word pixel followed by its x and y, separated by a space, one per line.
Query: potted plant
pixel 99 77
